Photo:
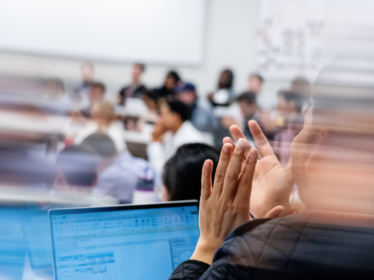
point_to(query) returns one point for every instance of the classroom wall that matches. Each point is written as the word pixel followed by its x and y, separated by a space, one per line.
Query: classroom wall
pixel 229 42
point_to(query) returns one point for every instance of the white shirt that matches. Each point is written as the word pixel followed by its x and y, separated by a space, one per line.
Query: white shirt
pixel 159 153
pixel 115 131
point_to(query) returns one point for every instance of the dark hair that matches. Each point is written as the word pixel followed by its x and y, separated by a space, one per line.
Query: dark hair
pixel 180 108
pixel 79 165
pixel 102 144
pixel 174 75
pixel 230 81
pixel 291 96
pixel 182 172
pixel 153 94
pixel 249 97
pixel 140 65
pixel 99 85
pixel 301 86
pixel 257 76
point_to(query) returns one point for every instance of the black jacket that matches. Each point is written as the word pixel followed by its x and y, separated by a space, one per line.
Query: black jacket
pixel 292 247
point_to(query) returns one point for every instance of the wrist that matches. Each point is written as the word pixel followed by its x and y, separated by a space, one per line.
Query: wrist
pixel 205 251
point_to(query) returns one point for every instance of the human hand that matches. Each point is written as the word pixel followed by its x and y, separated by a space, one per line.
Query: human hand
pixel 228 121
pixel 272 183
pixel 226 206
pixel 158 132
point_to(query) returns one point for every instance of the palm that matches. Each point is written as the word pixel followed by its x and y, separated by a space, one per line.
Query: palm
pixel 271 186
pixel 272 183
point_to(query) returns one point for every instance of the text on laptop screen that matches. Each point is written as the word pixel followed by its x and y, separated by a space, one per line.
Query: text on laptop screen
pixel 125 244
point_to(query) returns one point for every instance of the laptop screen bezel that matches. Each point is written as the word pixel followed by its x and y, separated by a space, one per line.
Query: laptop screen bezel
pixel 124 207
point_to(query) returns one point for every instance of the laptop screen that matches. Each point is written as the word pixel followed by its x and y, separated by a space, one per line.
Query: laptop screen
pixel 131 242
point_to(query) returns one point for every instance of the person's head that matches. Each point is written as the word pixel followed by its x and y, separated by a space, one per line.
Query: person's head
pixel 186 92
pixel 301 86
pixel 255 83
pixel 77 167
pixel 55 87
pixel 103 112
pixel 182 172
pixel 150 99
pixel 289 102
pixel 97 92
pixel 226 79
pixel 173 114
pixel 88 72
pixel 103 146
pixel 137 71
pixel 333 155
pixel 171 80
pixel 247 103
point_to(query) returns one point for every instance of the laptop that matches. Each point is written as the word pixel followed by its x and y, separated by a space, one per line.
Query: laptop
pixel 123 242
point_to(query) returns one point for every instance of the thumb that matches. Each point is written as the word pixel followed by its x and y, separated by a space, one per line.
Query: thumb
pixel 275 212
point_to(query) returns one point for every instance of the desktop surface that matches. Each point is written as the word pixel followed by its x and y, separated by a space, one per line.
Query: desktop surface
pixel 127 242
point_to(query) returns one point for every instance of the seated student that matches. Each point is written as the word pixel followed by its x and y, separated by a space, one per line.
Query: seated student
pixel 150 99
pixel 104 120
pixel 136 88
pixel 120 173
pixel 224 95
pixel 182 172
pixel 201 112
pixel 77 168
pixel 290 123
pixel 171 80
pixel 81 92
pixel 172 131
pixel 332 165
pixel 55 100
pixel 96 94
pixel 302 86
pixel 248 108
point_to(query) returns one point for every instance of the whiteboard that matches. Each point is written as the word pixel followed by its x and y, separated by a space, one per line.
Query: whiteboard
pixel 289 37
pixel 150 31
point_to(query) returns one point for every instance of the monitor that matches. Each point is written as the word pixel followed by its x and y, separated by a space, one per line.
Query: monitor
pixel 127 242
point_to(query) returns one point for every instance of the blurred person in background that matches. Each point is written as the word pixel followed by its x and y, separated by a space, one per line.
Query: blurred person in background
pixel 119 173
pixel 151 99
pixel 96 94
pixel 248 108
pixel 172 130
pixel 332 163
pixel 224 95
pixel 171 80
pixel 182 172
pixel 81 92
pixel 103 119
pixel 55 100
pixel 136 89
pixel 302 86
pixel 201 112
pixel 290 123
pixel 77 169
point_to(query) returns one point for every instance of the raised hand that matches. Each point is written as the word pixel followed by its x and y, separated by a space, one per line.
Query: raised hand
pixel 226 205
pixel 272 183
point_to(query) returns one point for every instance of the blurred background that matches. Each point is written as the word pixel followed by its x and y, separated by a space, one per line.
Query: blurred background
pixel 98 99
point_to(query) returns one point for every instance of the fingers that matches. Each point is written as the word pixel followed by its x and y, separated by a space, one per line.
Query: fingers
pixel 228 140
pixel 237 134
pixel 233 171
pixel 262 143
pixel 206 180
pixel 243 192
pixel 221 169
